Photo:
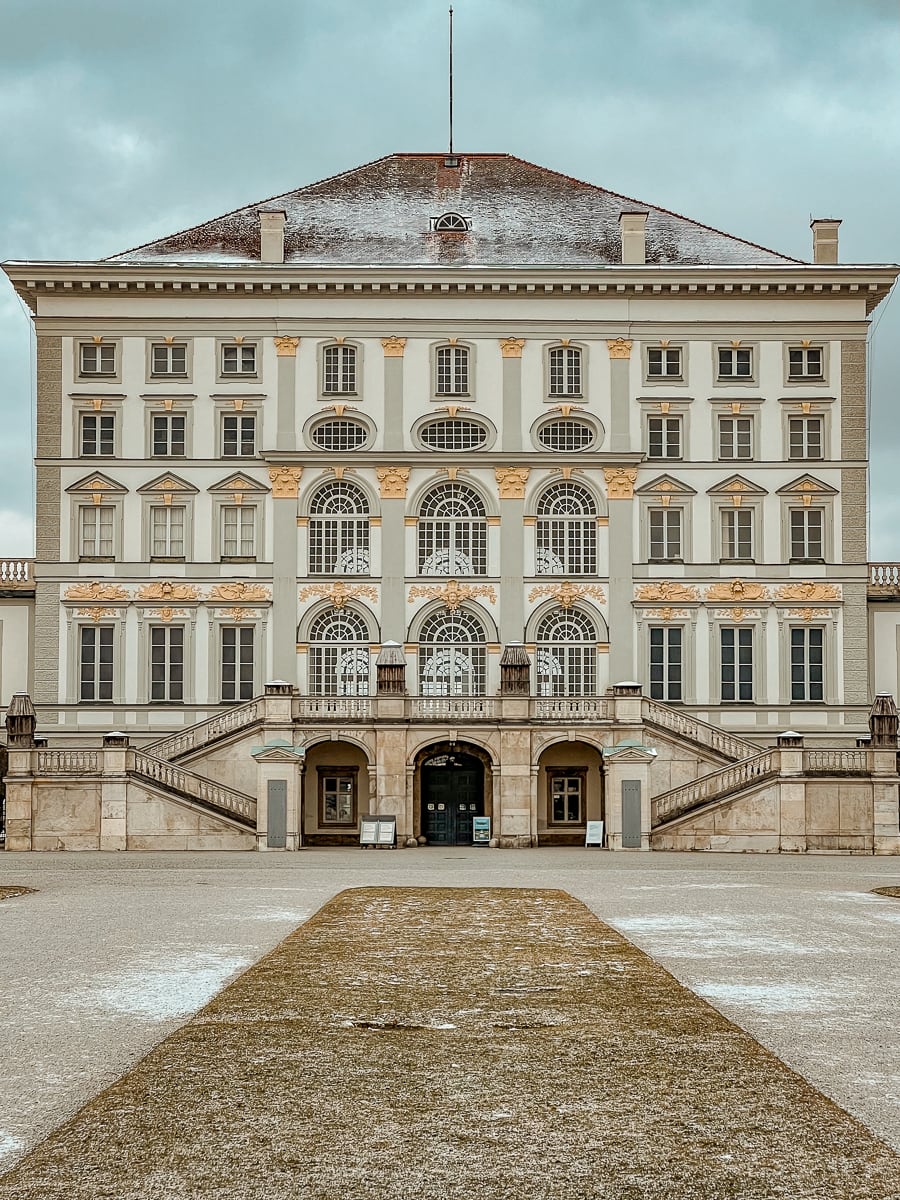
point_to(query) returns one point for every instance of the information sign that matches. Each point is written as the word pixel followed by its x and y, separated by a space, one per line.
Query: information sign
pixel 594 834
pixel 481 831
pixel 387 831
pixel 368 831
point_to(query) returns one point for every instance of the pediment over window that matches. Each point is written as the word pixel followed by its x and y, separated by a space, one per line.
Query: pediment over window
pixel 665 485
pixel 97 482
pixel 169 483
pixel 807 485
pixel 736 485
pixel 238 482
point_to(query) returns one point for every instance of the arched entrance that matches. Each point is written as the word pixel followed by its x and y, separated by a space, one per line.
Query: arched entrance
pixel 453 785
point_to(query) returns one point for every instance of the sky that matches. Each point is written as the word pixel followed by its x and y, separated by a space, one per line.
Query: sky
pixel 124 120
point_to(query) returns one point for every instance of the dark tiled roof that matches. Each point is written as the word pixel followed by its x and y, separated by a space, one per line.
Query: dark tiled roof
pixel 520 215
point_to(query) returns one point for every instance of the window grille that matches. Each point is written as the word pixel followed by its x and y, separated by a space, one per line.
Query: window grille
pixel 338 796
pixel 166 662
pixel 452 366
pixel 566 435
pixel 735 437
pixel 452 532
pixel 342 434
pixel 807 534
pixel 339 367
pixel 566 797
pixel 238 435
pixel 167 531
pixel 737 533
pixel 96 663
pixel 97 359
pixel 565 371
pixel 805 437
pixel 239 359
pixel 166 359
pixel 807 664
pixel 452 655
pixel 666 646
pixel 735 362
pixel 737 663
pixel 339 530
pixel 237 662
pixel 96 530
pixel 566 655
pixel 98 434
pixel 805 362
pixel 168 436
pixel 664 362
pixel 566 531
pixel 453 434
pixel 665 534
pixel 239 531
pixel 664 437
pixel 339 654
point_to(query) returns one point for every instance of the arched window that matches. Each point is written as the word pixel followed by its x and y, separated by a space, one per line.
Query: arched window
pixel 450 434
pixel 451 371
pixel 450 222
pixel 339 654
pixel 339 530
pixel 566 657
pixel 452 532
pixel 452 655
pixel 339 369
pixel 566 434
pixel 565 371
pixel 566 531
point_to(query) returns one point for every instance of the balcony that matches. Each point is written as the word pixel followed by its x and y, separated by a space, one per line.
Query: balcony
pixel 16 575
pixel 884 581
pixel 559 710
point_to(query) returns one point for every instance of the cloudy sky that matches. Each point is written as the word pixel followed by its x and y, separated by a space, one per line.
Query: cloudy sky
pixel 123 120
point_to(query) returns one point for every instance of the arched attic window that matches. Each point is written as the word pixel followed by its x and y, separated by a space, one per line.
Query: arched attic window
pixel 450 222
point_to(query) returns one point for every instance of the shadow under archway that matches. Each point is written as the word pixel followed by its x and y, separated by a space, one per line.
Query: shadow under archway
pixel 453 782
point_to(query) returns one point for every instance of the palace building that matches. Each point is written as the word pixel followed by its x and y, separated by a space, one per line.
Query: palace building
pixel 448 487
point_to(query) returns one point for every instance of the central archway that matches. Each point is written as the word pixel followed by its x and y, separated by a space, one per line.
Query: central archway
pixel 453 785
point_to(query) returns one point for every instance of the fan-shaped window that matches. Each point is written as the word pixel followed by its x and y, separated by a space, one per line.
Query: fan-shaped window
pixel 451 222
pixel 452 532
pixel 339 434
pixel 339 530
pixel 566 434
pixel 339 369
pixel 566 654
pixel 566 531
pixel 452 655
pixel 451 371
pixel 453 434
pixel 565 371
pixel 339 654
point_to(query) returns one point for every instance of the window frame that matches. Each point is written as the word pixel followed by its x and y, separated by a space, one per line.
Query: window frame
pixel 474 651
pixel 321 357
pixel 156 503
pixel 735 418
pixel 580 774
pixel 341 532
pixel 185 376
pixel 662 688
pixel 325 772
pixel 822 511
pixel 678 418
pixel 240 416
pixel 320 674
pixel 805 418
pixel 171 631
pixel 653 510
pixel 104 628
pixel 806 684
pixel 749 380
pixel 574 418
pixel 579 395
pixel 662 378
pixel 224 507
pixel 724 511
pixel 319 420
pixel 223 376
pixel 737 683
pixel 242 692
pixel 169 415
pixel 575 535
pixel 99 416
pixel 577 657
pixel 806 379
pixel 82 376
pixel 459 537
pixel 464 348
pixel 81 508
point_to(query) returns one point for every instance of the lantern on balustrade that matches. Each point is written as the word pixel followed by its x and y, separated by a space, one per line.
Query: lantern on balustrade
pixel 20 721
pixel 390 669
pixel 515 670
pixel 883 722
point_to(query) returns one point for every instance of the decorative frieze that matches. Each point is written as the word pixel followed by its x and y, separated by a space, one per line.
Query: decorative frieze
pixel 392 482
pixel 667 591
pixel 339 592
pixel 453 593
pixel 95 590
pixel 567 594
pixel 166 589
pixel 239 592
pixel 96 613
pixel 808 592
pixel 737 591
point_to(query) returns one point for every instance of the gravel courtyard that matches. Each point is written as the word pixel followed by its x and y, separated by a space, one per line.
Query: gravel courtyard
pixel 116 951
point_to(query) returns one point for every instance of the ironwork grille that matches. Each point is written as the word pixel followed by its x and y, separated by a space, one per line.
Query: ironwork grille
pixel 452 532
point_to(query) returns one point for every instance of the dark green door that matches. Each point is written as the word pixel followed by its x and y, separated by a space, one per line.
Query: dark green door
pixel 452 794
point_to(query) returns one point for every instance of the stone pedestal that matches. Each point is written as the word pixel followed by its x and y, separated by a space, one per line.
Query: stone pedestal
pixel 19 797
pixel 114 793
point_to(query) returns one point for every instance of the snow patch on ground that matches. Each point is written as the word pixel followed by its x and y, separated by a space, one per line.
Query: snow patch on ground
pixel 9 1144
pixel 707 936
pixel 160 990
pixel 768 997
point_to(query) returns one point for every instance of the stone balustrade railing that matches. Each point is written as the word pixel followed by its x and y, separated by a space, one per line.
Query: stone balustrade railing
pixel 575 708
pixel 715 785
pixel 695 730
pixel 442 708
pixel 197 736
pixel 177 779
pixel 68 762
pixel 332 708
pixel 17 573
pixel 836 762
pixel 884 579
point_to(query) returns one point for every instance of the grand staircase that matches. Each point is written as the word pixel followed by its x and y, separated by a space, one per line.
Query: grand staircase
pixel 236 807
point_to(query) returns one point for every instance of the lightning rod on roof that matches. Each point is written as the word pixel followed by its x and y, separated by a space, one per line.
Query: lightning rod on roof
pixel 451 80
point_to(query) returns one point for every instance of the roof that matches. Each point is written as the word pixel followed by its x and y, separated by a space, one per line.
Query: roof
pixel 519 214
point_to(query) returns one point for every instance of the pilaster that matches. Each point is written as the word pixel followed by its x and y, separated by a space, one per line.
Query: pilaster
pixel 19 798
pixel 511 435
pixel 394 426
pixel 619 393
pixel 392 484
pixel 286 391
pixel 620 491
pixel 285 486
pixel 114 793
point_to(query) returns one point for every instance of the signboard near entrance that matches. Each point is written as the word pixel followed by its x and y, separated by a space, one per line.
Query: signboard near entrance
pixel 594 834
pixel 380 830
pixel 481 831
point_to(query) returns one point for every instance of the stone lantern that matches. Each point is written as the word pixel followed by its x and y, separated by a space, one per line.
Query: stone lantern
pixel 21 721
pixel 390 668
pixel 883 722
pixel 515 670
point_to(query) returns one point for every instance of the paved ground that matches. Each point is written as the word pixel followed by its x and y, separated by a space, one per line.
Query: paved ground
pixel 117 950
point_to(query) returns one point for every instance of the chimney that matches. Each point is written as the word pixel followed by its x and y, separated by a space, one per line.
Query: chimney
pixel 825 240
pixel 271 236
pixel 632 226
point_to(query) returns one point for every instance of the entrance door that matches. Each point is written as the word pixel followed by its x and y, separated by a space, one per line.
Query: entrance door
pixel 631 814
pixel 452 787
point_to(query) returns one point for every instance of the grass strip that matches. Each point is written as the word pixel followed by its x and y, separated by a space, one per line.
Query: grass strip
pixel 442 1044
pixel 9 892
pixel 887 891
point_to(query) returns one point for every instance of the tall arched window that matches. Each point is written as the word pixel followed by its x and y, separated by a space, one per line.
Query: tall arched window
pixel 339 530
pixel 452 655
pixel 566 657
pixel 339 654
pixel 566 531
pixel 339 369
pixel 452 532
pixel 452 371
pixel 565 371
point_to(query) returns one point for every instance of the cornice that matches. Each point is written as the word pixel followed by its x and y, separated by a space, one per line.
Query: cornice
pixel 816 281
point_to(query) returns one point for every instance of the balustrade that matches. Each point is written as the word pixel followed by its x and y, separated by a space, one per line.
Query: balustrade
pixel 204 732
pixel 16 572
pixel 177 779
pixel 836 762
pixel 68 762
pixel 710 787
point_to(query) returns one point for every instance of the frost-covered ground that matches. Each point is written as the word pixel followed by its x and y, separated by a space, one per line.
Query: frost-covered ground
pixel 115 951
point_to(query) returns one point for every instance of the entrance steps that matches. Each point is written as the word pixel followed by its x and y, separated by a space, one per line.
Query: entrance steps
pixel 710 739
pixel 216 798
pixel 713 788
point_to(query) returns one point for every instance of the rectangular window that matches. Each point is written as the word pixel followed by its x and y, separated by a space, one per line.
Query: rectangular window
pixel 664 362
pixel 96 662
pixel 807 664
pixel 168 436
pixel 237 662
pixel 95 535
pixel 805 362
pixel 168 359
pixel 337 792
pixel 565 371
pixel 166 662
pixel 737 533
pixel 566 797
pixel 666 645
pixel 807 535
pixel 339 369
pixel 98 434
pixel 664 437
pixel 452 371
pixel 737 663
pixel 239 531
pixel 238 435
pixel 735 362
pixel 736 437
pixel 239 359
pixel 805 437
pixel 97 359
pixel 665 534
pixel 167 531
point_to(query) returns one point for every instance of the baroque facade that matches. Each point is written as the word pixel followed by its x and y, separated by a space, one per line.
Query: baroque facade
pixel 521 492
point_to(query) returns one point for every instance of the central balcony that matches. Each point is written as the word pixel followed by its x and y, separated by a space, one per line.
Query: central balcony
pixel 560 710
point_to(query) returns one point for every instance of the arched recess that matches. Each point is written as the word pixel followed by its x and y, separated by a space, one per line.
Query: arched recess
pixel 449 758
pixel 570 790
pixel 338 787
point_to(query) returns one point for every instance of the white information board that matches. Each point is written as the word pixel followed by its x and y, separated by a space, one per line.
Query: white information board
pixel 594 834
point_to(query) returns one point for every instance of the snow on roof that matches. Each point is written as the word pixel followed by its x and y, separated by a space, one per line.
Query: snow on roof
pixel 520 215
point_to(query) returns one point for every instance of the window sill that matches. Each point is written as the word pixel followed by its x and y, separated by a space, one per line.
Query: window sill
pixel 740 561
pixel 452 395
pixel 167 558
pixel 561 397
pixel 173 455
pixel 98 454
pixel 339 825
pixel 336 395
pixel 181 375
pixel 815 561
pixel 663 561
pixel 108 376
pixel 238 558
pixel 96 558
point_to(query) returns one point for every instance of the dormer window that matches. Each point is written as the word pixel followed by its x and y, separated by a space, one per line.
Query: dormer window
pixel 450 222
